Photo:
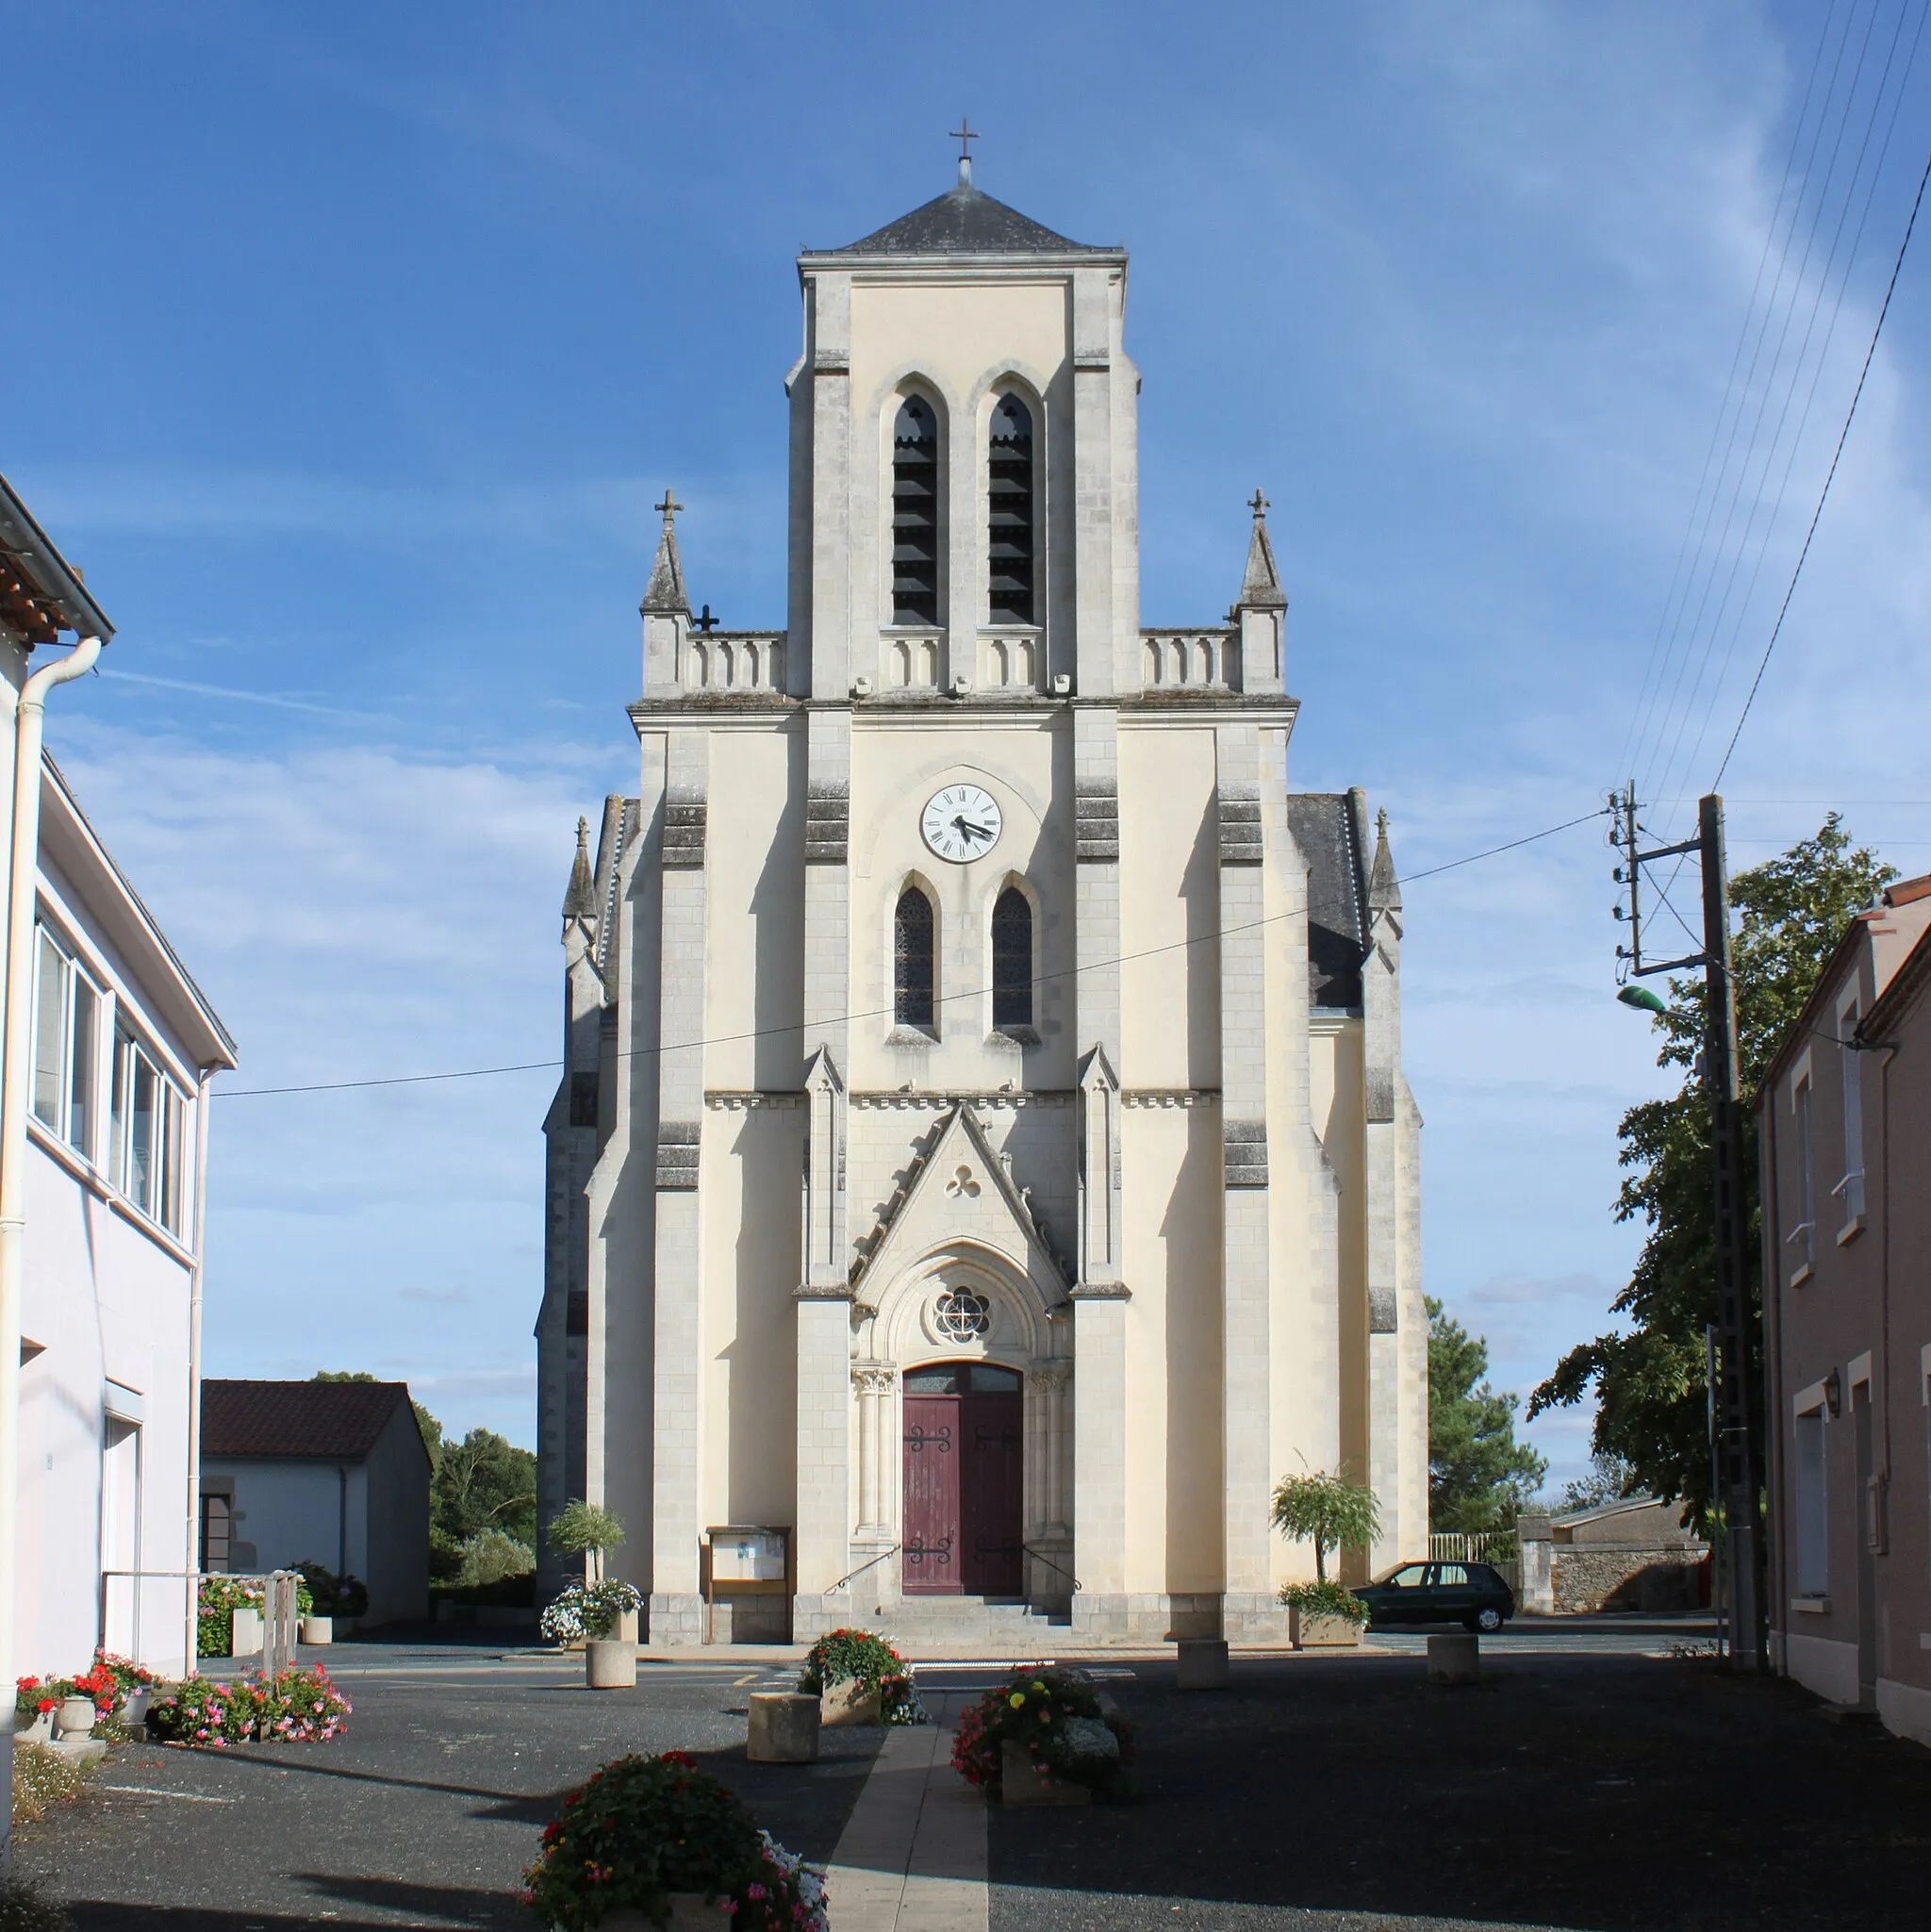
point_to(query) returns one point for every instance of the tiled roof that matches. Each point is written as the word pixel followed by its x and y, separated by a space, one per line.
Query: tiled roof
pixel 965 221
pixel 337 1422
pixel 1325 829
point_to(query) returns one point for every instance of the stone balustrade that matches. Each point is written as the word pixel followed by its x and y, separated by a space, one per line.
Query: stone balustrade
pixel 735 661
pixel 1201 659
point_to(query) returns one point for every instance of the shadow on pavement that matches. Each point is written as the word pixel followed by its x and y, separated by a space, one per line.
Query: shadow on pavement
pixel 432 1904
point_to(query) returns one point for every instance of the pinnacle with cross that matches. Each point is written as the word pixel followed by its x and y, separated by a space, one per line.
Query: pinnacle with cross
pixel 965 135
pixel 1259 504
pixel 670 506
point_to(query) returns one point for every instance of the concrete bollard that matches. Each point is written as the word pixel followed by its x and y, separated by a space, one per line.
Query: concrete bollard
pixel 1455 1658
pixel 610 1664
pixel 1203 1663
pixel 783 1728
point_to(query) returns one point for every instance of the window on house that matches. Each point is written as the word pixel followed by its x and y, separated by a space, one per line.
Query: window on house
pixel 914 958
pixel 1009 513
pixel 147 1133
pixel 214 1533
pixel 50 1033
pixel 914 514
pixel 1012 958
pixel 82 1072
pixel 1852 1186
pixel 1812 1538
pixel 1798 1239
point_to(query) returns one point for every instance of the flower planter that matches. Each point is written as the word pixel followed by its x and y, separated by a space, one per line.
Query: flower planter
pixel 1023 1782
pixel 1320 1632
pixel 74 1718
pixel 610 1664
pixel 245 1633
pixel 134 1705
pixel 626 1631
pixel 317 1630
pixel 783 1728
pixel 39 1732
pixel 848 1702
pixel 689 1912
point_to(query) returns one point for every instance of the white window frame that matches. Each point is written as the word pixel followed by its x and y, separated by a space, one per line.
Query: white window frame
pixel 158 1192
pixel 75 1044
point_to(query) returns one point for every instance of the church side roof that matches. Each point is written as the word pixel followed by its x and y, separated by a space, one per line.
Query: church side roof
pixel 1323 825
pixel 964 220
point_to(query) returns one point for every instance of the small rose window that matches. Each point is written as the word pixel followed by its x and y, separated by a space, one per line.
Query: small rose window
pixel 960 1315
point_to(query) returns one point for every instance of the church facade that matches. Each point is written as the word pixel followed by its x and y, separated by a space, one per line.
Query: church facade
pixel 984 1154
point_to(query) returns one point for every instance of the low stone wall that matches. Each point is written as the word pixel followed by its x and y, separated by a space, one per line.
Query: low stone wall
pixel 1619 1576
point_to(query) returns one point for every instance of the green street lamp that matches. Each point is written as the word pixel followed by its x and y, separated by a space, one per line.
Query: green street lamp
pixel 1641 999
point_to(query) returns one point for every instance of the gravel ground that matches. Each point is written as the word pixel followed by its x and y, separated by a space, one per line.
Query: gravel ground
pixel 1585 1791
pixel 425 1814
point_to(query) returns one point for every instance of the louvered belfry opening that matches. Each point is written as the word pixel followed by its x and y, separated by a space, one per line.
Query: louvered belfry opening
pixel 914 514
pixel 1012 958
pixel 913 952
pixel 1009 513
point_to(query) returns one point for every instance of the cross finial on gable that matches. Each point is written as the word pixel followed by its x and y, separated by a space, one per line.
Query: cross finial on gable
pixel 670 506
pixel 1259 504
pixel 705 621
pixel 583 835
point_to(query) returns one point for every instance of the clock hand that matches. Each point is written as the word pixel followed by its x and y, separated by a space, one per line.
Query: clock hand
pixel 966 831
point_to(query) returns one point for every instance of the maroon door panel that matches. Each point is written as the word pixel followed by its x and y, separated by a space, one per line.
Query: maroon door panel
pixel 930 1554
pixel 992 1486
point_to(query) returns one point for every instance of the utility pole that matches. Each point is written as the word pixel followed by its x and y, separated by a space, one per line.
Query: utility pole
pixel 1739 1463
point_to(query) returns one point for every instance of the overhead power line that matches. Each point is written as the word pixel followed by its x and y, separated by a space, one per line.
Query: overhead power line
pixel 406 1080
pixel 1824 495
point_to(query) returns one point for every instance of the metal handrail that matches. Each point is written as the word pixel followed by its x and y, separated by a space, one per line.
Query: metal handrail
pixel 1039 1557
pixel 864 1567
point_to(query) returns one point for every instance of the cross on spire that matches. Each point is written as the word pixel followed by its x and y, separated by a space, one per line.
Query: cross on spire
pixel 1259 504
pixel 670 506
pixel 964 134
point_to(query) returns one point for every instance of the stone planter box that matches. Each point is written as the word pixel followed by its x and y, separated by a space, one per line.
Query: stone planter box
pixel 1323 1632
pixel 317 1630
pixel 610 1664
pixel 846 1702
pixel 39 1732
pixel 245 1633
pixel 1203 1663
pixel 134 1705
pixel 1023 1782
pixel 1455 1656
pixel 783 1728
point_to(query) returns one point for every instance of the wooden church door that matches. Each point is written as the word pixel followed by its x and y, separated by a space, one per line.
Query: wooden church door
pixel 965 1481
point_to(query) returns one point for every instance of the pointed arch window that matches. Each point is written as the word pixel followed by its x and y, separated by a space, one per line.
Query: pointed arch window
pixel 1009 514
pixel 913 960
pixel 1011 960
pixel 914 514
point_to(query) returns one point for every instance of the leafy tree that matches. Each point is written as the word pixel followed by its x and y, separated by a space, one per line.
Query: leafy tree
pixel 1328 1509
pixel 485 1482
pixel 1649 1378
pixel 489 1557
pixel 1479 1476
pixel 1609 1479
pixel 581 1528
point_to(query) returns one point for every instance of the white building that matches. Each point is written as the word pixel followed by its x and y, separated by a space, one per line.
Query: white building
pixel 120 1048
pixel 984 1153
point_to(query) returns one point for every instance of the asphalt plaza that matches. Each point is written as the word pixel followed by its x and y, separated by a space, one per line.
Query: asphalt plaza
pixel 1586 1783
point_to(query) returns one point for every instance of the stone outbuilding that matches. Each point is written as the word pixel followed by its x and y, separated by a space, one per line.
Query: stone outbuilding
pixel 1634 1554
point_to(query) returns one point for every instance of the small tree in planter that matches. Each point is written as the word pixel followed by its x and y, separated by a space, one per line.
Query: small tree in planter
pixel 1333 1513
pixel 645 1835
pixel 585 1529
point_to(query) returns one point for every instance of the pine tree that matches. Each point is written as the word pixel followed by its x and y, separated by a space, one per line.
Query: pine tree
pixel 1479 1476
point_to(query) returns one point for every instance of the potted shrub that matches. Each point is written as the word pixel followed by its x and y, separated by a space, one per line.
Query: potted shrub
pixel 657 1843
pixel 1043 1736
pixel 302 1705
pixel 133 1684
pixel 1331 1511
pixel 859 1678
pixel 610 1658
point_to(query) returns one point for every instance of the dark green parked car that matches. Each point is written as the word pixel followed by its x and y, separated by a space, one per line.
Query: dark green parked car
pixel 1472 1594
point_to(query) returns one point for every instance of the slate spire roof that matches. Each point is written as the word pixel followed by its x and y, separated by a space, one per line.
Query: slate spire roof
pixel 1384 889
pixel 580 901
pixel 665 594
pixel 1261 587
pixel 965 221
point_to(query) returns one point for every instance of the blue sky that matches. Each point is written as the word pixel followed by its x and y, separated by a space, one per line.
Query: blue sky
pixel 347 348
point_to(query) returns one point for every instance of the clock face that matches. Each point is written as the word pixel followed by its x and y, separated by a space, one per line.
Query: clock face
pixel 961 823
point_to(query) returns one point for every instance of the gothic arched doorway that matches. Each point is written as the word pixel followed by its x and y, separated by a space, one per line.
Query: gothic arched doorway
pixel 964 1480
